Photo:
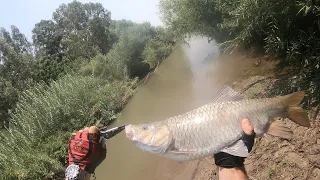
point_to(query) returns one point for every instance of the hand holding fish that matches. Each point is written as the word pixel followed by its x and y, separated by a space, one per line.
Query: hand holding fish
pixel 232 167
pixel 226 160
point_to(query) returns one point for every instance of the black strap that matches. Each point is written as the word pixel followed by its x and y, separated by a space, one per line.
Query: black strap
pixel 226 160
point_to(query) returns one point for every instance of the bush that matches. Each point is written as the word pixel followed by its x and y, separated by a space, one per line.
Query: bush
pixel 106 67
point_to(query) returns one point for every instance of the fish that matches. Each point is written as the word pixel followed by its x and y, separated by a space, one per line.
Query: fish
pixel 216 126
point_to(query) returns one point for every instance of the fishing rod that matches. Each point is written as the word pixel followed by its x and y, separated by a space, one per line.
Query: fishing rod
pixel 109 133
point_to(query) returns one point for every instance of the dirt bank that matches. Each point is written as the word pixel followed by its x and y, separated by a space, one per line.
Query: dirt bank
pixel 273 157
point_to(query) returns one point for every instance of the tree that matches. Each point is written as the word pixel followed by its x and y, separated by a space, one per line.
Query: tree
pixel 76 33
pixel 20 42
pixel 119 27
pixel 131 45
pixel 76 30
pixel 139 47
pixel 158 47
pixel 47 39
pixel 5 35
pixel 186 17
pixel 16 69
pixel 16 39
pixel 90 19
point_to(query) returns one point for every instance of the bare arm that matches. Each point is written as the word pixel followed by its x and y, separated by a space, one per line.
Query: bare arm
pixel 232 174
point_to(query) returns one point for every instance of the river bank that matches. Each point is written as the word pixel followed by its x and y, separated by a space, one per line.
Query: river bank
pixel 273 157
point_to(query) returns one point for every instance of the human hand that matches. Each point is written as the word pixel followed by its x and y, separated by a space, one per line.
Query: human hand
pixel 87 149
pixel 226 160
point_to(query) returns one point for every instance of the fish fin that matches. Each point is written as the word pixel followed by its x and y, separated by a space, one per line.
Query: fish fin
pixel 295 98
pixel 226 93
pixel 299 116
pixel 237 149
pixel 296 113
pixel 277 128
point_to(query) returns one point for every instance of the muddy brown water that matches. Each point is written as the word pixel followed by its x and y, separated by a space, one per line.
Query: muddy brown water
pixel 186 80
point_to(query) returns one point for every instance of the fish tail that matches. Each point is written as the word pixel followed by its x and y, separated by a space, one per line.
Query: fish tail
pixel 296 113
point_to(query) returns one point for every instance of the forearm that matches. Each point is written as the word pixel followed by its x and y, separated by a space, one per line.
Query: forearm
pixel 238 173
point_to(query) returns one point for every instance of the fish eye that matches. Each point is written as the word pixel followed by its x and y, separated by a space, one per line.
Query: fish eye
pixel 144 127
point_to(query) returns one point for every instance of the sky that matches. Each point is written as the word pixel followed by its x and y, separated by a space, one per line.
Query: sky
pixel 26 13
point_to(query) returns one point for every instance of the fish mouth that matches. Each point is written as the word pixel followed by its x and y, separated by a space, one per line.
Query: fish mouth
pixel 130 132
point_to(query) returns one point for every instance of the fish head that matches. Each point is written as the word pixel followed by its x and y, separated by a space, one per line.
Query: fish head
pixel 153 137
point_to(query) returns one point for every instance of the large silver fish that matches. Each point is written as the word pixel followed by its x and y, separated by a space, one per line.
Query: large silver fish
pixel 215 127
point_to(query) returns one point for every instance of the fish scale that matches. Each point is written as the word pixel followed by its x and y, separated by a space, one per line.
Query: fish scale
pixel 215 127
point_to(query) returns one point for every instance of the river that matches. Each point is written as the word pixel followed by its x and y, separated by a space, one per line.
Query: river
pixel 184 81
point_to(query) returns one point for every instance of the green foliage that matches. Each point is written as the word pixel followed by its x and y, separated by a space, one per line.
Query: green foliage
pixel 47 38
pixel 158 48
pixel 107 66
pixel 76 31
pixel 286 28
pixel 49 70
pixel 16 67
pixel 139 47
pixel 16 39
pixel 119 27
pixel 45 116
pixel 16 70
pixel 187 17
pixel 8 99
pixel 79 32
pixel 130 47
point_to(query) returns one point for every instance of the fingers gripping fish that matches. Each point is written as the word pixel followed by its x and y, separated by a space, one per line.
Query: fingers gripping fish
pixel 215 127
